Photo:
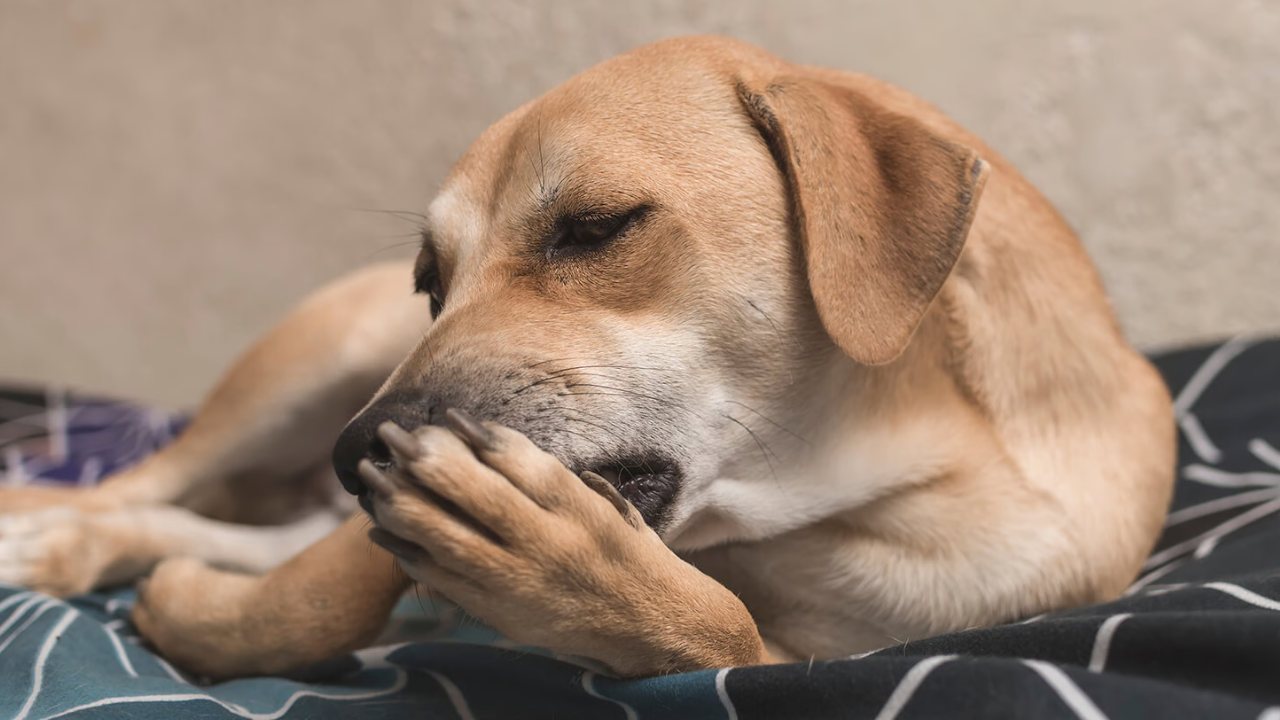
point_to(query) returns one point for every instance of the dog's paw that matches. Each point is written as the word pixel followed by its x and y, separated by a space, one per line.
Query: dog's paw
pixel 502 528
pixel 193 615
pixel 53 551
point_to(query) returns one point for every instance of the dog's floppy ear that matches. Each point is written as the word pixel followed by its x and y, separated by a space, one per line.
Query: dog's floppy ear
pixel 881 204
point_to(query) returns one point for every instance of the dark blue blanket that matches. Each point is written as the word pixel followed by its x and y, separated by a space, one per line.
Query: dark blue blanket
pixel 1197 636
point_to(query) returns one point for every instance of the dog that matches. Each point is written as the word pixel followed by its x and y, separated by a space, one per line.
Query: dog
pixel 714 360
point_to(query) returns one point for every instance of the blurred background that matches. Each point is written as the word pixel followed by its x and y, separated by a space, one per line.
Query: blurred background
pixel 173 176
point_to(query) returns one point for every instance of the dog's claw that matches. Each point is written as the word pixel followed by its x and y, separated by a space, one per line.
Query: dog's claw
pixel 400 440
pixel 375 479
pixel 606 490
pixel 469 429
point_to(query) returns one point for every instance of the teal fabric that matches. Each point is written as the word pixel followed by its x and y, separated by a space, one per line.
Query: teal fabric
pixel 82 659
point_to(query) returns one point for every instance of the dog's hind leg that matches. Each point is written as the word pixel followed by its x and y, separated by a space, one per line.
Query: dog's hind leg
pixel 63 551
pixel 277 410
pixel 268 424
pixel 276 414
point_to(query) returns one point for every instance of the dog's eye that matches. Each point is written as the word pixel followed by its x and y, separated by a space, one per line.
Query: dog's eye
pixel 428 284
pixel 585 233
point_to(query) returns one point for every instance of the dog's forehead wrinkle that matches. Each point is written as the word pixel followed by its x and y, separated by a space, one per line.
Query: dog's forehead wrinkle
pixel 599 136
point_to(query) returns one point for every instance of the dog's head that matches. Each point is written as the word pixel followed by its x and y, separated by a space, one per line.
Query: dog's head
pixel 651 269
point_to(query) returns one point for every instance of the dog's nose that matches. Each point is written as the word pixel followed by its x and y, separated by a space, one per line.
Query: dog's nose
pixel 360 438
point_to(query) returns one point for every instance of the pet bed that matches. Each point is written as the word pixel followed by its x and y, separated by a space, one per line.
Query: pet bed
pixel 1198 634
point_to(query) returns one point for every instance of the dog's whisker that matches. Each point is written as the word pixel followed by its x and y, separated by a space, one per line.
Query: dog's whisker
pixel 772 422
pixel 560 375
pixel 426 343
pixel 417 239
pixel 620 392
pixel 580 411
pixel 604 451
pixel 765 450
pixel 664 404
pixel 760 310
pixel 533 384
pixel 405 215
pixel 588 438
pixel 542 160
pixel 622 442
pixel 598 364
pixel 389 248
pixel 597 426
pixel 609 367
pixel 535 190
pixel 548 361
pixel 418 589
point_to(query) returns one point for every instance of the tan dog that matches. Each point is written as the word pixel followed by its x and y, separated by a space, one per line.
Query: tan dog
pixel 855 374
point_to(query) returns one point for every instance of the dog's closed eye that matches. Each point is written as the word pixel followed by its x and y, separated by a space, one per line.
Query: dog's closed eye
pixel 428 283
pixel 590 232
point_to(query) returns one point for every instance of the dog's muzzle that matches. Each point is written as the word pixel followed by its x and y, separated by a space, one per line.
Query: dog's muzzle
pixel 649 480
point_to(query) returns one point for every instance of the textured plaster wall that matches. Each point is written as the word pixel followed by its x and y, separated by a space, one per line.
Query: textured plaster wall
pixel 174 175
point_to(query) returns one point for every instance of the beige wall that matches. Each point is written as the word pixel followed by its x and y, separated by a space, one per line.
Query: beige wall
pixel 174 174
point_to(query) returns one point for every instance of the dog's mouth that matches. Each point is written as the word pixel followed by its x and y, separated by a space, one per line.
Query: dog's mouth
pixel 648 482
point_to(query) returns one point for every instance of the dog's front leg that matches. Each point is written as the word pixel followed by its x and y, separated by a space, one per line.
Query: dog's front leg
pixel 502 528
pixel 332 598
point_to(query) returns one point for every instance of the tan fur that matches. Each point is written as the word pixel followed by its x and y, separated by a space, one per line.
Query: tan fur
pixel 949 429
pixel 332 598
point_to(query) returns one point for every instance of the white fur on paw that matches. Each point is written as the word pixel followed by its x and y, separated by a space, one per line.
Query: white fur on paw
pixel 46 550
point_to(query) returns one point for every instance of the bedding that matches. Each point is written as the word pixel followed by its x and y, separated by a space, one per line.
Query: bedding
pixel 1197 635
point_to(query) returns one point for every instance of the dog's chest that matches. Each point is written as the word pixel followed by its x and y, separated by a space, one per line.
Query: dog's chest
pixel 799 594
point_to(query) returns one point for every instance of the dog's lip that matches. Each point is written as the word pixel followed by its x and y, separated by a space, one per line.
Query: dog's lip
pixel 649 483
